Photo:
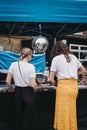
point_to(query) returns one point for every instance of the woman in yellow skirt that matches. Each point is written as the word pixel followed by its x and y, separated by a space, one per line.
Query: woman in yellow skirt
pixel 66 67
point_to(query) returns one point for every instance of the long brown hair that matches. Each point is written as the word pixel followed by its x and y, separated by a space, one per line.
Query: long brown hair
pixel 60 48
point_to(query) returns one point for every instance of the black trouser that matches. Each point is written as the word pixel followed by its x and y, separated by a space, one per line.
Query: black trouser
pixel 25 108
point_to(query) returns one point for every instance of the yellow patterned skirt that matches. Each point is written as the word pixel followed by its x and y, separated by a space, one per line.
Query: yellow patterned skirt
pixel 65 106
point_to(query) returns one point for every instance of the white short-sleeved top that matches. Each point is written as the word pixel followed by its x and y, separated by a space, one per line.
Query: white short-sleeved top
pixel 27 71
pixel 65 69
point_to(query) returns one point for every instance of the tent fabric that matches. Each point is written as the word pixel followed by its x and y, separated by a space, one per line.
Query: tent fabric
pixel 6 58
pixel 70 11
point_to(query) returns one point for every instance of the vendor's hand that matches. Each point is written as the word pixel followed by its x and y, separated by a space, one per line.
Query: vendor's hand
pixel 11 89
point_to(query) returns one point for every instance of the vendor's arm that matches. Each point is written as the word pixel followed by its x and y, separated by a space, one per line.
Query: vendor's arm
pixel 8 81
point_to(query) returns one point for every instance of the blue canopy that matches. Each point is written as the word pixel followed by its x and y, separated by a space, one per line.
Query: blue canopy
pixel 70 11
pixel 6 58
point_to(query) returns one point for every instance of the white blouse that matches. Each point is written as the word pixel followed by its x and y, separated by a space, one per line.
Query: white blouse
pixel 27 71
pixel 65 69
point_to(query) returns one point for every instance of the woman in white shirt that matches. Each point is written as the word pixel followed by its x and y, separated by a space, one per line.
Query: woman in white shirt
pixel 24 76
pixel 66 67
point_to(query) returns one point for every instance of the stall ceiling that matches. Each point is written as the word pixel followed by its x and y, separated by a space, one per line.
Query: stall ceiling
pixel 48 29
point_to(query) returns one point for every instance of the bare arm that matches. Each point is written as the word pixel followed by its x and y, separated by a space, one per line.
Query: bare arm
pixel 82 71
pixel 33 82
pixel 8 81
pixel 51 77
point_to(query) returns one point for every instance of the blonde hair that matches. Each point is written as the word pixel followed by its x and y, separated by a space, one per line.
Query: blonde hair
pixel 25 52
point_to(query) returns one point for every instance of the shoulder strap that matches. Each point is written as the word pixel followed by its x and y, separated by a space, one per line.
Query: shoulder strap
pixel 21 74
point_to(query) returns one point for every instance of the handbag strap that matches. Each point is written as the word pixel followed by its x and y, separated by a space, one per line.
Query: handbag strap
pixel 21 74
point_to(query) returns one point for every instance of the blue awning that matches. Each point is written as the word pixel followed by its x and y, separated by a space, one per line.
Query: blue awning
pixel 70 11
